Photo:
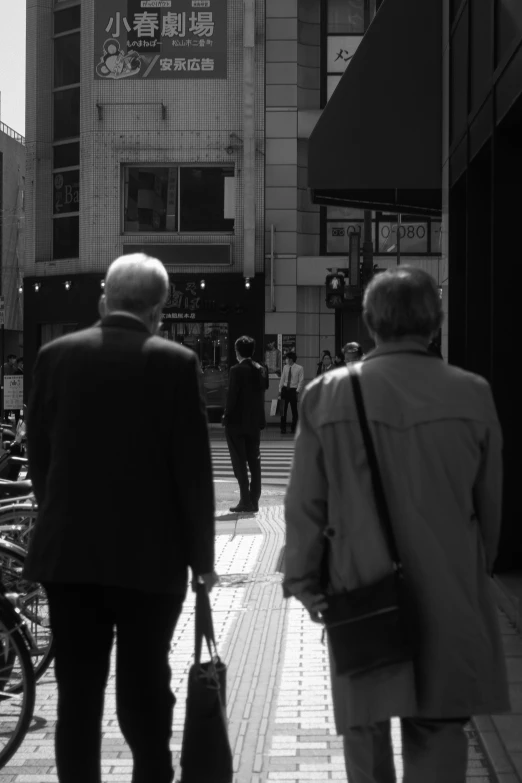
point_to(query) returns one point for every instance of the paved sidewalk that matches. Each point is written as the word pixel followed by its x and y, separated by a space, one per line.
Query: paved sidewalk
pixel 279 705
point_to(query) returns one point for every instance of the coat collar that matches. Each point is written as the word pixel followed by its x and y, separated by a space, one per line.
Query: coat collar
pixel 123 321
pixel 402 346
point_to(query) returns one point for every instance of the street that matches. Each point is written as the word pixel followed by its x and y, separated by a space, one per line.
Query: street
pixel 279 705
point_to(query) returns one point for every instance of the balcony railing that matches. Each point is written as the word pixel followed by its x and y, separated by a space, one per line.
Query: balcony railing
pixel 12 133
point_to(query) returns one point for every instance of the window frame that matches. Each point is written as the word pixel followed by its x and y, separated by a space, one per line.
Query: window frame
pixel 324 37
pixel 377 218
pixel 178 166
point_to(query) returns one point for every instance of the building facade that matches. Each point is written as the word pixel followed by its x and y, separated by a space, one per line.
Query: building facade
pixel 201 160
pixel 12 187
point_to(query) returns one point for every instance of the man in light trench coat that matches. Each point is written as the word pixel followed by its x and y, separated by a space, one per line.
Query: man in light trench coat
pixel 438 442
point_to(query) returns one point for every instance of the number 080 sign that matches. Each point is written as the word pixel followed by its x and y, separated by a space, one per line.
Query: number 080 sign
pixel 160 39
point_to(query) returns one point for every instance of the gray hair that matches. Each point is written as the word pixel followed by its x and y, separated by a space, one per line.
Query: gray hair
pixel 136 283
pixel 403 301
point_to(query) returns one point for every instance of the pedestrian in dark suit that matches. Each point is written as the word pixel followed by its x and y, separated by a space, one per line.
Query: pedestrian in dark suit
pixel 244 419
pixel 117 526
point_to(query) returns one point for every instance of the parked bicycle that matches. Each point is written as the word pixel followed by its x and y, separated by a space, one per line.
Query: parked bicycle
pixel 17 677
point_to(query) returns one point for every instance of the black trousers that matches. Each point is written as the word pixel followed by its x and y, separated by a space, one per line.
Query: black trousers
pixel 245 455
pixel 83 621
pixel 289 397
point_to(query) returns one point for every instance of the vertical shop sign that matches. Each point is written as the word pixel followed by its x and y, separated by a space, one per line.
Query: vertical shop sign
pixel 13 392
pixel 160 39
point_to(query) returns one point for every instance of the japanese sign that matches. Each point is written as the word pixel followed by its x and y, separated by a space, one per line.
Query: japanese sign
pixel 184 296
pixel 340 51
pixel 160 39
pixel 13 392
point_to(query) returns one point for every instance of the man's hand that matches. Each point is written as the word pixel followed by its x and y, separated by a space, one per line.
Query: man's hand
pixel 209 580
pixel 315 604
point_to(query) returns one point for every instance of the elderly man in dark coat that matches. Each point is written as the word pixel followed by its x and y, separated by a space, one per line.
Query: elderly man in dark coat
pixel 118 524
pixel 438 442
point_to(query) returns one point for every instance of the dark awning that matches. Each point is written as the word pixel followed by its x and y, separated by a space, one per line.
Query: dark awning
pixel 378 143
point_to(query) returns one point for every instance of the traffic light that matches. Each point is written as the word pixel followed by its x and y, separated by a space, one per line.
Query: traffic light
pixel 335 290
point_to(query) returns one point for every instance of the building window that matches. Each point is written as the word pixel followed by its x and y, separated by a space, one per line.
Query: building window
pixel 66 113
pixel 66 237
pixel 419 235
pixel 66 155
pixel 188 199
pixel 67 60
pixel 66 192
pixel 66 20
pixel 344 26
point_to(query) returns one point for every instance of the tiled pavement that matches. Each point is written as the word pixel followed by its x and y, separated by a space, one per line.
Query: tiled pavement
pixel 280 714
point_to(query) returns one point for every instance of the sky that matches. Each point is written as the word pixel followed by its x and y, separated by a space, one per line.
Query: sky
pixel 12 63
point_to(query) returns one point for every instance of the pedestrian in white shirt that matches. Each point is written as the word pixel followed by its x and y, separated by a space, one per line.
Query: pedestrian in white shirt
pixel 290 385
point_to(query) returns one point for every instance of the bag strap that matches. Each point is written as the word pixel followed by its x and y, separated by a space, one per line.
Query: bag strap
pixel 378 486
pixel 203 625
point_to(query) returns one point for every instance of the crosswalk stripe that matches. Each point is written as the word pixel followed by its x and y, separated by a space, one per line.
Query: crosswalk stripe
pixel 276 462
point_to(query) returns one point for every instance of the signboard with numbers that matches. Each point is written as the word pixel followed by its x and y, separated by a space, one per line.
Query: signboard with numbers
pixel 160 39
pixel 13 392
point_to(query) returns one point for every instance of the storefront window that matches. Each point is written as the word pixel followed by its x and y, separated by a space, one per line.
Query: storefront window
pixel 419 235
pixel 209 340
pixel 178 198
pixel 66 237
pixel 413 235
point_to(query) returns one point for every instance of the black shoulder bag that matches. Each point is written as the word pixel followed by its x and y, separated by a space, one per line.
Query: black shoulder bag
pixel 370 628
pixel 206 756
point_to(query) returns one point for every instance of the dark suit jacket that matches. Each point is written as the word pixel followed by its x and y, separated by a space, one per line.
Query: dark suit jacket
pixel 245 408
pixel 119 457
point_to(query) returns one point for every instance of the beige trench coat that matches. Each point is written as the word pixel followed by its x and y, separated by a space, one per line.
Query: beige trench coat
pixel 439 443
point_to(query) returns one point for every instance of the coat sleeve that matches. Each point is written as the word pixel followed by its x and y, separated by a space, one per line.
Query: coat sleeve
pixel 38 429
pixel 488 485
pixel 192 472
pixel 306 509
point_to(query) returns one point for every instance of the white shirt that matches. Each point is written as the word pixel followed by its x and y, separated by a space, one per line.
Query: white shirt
pixel 296 379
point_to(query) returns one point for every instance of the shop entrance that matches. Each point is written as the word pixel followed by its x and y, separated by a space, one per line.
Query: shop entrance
pixel 209 340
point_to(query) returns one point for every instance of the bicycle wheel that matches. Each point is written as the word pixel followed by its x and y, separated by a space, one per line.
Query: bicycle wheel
pixel 17 686
pixel 17 521
pixel 33 606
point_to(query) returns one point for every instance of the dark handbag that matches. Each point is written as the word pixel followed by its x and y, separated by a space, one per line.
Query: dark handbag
pixel 206 756
pixel 370 628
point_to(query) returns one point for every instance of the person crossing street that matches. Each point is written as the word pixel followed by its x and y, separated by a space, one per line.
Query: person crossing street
pixel 290 386
pixel 244 419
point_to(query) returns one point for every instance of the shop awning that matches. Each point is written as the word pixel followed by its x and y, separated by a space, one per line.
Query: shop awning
pixel 378 142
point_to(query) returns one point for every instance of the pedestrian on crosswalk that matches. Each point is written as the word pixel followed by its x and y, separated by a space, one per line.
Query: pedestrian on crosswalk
pixel 244 418
pixel 290 386
pixel 439 449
